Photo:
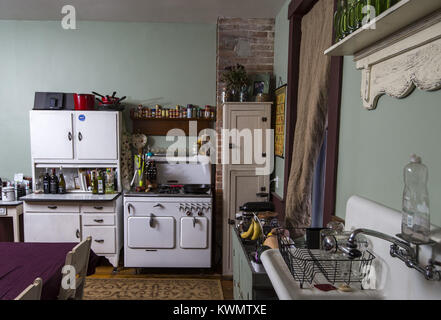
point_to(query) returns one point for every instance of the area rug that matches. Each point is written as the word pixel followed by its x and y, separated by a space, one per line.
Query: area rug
pixel 153 289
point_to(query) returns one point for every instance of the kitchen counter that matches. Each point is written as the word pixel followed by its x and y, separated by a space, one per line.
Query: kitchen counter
pixel 10 203
pixel 70 197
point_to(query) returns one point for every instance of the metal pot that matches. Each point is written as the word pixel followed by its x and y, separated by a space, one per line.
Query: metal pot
pixel 197 188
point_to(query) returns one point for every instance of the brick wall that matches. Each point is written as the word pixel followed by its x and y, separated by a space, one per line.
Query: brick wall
pixel 249 42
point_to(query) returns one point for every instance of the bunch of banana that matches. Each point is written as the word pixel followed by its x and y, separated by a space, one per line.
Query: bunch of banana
pixel 253 232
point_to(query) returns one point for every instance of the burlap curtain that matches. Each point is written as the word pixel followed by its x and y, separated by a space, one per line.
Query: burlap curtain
pixel 311 111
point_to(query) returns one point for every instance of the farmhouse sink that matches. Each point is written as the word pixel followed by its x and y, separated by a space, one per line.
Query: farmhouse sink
pixel 390 278
pixel 288 289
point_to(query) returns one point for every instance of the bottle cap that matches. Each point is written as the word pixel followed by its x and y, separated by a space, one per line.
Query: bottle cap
pixel 415 159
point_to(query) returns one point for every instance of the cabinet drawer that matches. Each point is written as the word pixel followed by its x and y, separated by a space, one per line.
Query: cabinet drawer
pixel 99 220
pixel 51 207
pixel 99 207
pixel 103 238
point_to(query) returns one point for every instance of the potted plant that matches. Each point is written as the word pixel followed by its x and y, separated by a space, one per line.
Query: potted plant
pixel 236 81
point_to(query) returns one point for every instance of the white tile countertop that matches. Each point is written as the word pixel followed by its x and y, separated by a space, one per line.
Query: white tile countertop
pixel 70 197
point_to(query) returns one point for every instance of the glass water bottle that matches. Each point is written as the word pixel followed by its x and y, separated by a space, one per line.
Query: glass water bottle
pixel 415 223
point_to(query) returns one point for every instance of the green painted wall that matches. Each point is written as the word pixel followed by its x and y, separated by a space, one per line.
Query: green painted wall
pixel 281 41
pixel 376 145
pixel 151 63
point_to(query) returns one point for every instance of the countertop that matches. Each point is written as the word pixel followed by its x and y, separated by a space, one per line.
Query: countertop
pixel 10 203
pixel 70 197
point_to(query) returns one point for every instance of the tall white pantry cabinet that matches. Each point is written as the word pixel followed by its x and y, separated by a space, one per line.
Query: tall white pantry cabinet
pixel 241 183
pixel 74 140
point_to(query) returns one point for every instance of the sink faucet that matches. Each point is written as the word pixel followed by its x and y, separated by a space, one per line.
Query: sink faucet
pixel 399 249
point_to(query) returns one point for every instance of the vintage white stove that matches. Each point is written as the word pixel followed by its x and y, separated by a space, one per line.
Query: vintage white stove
pixel 170 229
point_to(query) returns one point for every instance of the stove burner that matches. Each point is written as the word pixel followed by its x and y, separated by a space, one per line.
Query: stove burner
pixel 170 189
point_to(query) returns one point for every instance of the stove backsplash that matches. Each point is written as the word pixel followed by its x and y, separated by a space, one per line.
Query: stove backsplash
pixel 184 173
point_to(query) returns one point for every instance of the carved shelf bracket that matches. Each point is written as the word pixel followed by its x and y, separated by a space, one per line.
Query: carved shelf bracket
pixel 402 62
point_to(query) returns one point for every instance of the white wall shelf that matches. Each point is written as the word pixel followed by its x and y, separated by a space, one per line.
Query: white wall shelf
pixel 403 14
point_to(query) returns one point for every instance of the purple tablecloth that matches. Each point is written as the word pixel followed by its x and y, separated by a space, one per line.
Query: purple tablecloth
pixel 21 263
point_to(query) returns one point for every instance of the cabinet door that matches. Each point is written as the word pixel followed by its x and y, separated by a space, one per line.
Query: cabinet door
pixel 236 266
pixel 243 185
pixel 151 232
pixel 51 135
pixel 247 140
pixel 97 135
pixel 194 233
pixel 52 227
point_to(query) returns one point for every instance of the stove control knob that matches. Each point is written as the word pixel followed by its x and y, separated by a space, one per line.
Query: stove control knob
pixel 200 213
pixel 188 213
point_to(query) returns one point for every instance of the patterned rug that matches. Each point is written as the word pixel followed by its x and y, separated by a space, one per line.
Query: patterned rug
pixel 153 289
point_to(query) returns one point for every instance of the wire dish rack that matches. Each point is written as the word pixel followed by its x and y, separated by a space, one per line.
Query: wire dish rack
pixel 305 264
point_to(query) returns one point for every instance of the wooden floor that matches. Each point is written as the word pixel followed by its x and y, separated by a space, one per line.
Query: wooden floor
pixel 105 272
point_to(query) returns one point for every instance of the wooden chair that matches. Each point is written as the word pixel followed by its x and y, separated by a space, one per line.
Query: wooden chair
pixel 77 261
pixel 33 292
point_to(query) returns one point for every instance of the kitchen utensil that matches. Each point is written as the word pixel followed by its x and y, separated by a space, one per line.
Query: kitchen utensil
pixel 84 101
pixel 97 94
pixel 197 188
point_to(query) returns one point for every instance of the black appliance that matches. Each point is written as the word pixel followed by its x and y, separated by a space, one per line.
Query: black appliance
pixel 54 101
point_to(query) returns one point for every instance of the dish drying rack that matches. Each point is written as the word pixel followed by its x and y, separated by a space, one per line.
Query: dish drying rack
pixel 306 264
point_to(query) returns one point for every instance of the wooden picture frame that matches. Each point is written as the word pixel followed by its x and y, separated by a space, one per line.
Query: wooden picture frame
pixel 280 121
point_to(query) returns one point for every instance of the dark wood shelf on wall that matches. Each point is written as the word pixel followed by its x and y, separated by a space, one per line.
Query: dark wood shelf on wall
pixel 161 126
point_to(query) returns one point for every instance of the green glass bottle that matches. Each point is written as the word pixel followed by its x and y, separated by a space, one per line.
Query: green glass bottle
pixel 344 26
pixel 337 18
pixel 100 183
pixel 352 16
pixel 94 182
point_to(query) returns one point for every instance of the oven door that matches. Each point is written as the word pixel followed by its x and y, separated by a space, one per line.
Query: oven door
pixel 151 232
pixel 194 233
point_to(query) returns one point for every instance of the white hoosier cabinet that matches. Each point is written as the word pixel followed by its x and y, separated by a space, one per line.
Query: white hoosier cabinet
pixel 246 154
pixel 73 141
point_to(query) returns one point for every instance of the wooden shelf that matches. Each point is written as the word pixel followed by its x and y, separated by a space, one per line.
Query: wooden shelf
pixel 404 13
pixel 161 126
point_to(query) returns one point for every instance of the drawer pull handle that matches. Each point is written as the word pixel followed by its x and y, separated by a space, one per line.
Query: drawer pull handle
pixel 129 206
pixel 98 208
pixel 78 233
pixel 98 220
pixel 99 241
pixel 158 205
pixel 52 207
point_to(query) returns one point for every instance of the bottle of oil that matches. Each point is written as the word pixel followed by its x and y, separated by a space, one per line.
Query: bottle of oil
pixel 61 183
pixel 110 181
pixel 94 182
pixel 100 183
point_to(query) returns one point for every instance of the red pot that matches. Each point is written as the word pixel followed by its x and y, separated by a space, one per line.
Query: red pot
pixel 84 101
